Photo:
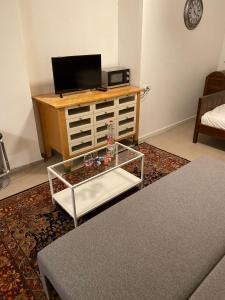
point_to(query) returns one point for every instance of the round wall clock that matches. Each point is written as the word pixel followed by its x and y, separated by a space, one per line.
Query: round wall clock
pixel 193 11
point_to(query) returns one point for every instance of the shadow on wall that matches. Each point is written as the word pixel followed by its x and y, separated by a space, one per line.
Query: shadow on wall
pixel 46 87
pixel 38 126
pixel 40 88
pixel 22 148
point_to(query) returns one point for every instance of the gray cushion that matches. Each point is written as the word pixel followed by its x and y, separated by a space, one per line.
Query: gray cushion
pixel 157 244
pixel 213 287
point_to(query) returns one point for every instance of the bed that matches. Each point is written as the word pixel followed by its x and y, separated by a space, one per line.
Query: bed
pixel 210 117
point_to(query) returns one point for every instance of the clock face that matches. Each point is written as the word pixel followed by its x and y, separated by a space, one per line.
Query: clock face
pixel 193 13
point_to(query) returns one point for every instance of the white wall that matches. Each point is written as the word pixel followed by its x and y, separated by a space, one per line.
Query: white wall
pixel 175 60
pixel 16 115
pixel 129 37
pixel 67 27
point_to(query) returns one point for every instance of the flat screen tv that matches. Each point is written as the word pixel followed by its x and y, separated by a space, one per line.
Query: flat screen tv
pixel 78 72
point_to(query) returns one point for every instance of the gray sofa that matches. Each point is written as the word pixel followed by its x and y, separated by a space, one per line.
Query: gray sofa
pixel 167 241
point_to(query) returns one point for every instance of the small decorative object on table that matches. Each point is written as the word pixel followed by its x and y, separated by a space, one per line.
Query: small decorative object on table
pixel 88 160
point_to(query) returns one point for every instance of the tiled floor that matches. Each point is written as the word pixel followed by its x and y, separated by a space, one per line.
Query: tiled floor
pixel 177 140
pixel 25 178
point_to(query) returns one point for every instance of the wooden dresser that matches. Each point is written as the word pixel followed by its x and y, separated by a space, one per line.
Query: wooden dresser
pixel 215 82
pixel 77 123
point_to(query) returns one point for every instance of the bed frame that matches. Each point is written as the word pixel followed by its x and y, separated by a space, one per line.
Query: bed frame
pixel 205 104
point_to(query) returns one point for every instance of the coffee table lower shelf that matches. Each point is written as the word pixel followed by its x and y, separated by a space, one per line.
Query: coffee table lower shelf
pixel 96 191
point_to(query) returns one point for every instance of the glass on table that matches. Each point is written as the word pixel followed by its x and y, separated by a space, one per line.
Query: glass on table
pixel 88 160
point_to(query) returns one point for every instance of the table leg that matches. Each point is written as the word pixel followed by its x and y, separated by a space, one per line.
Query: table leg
pixel 51 184
pixel 74 207
pixel 116 154
pixel 142 172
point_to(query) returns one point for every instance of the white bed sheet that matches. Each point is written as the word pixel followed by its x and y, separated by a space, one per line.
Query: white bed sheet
pixel 215 118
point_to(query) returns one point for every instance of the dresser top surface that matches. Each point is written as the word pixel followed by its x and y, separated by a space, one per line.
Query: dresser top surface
pixel 85 97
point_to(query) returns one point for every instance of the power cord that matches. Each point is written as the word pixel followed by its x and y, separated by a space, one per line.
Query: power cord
pixel 146 91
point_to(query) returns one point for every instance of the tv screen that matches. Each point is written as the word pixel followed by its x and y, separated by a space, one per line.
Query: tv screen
pixel 78 72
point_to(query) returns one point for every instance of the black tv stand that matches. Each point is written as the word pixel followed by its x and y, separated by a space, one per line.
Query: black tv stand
pixel 102 89
pixel 71 92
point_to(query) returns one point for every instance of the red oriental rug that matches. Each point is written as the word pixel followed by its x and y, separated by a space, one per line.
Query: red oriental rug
pixel 29 222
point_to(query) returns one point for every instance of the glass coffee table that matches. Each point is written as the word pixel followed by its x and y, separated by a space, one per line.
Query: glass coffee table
pixel 93 179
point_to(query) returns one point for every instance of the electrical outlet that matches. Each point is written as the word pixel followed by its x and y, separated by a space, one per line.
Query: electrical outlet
pixel 147 88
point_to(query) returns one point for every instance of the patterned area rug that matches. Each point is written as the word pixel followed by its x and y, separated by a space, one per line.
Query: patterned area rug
pixel 29 222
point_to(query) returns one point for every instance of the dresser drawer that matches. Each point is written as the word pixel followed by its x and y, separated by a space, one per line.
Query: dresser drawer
pixel 79 122
pixel 127 109
pixel 80 134
pixel 126 119
pixel 78 110
pixel 101 139
pixel 104 105
pixel 104 116
pixel 101 128
pixel 124 131
pixel 81 146
pixel 125 100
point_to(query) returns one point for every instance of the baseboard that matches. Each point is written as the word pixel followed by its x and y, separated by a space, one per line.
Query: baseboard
pixel 164 129
pixel 23 167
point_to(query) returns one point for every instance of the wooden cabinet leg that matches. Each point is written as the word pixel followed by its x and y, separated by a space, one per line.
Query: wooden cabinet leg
pixel 47 154
pixel 67 165
pixel 137 119
pixel 135 140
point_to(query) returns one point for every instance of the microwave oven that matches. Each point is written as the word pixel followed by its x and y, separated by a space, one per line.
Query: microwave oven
pixel 115 77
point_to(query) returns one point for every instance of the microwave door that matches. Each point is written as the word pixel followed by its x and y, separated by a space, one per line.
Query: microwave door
pixel 115 78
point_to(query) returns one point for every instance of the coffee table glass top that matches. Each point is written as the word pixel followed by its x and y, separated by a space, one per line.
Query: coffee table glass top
pixel 82 168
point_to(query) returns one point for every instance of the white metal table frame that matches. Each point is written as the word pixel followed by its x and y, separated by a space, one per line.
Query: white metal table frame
pixel 52 172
